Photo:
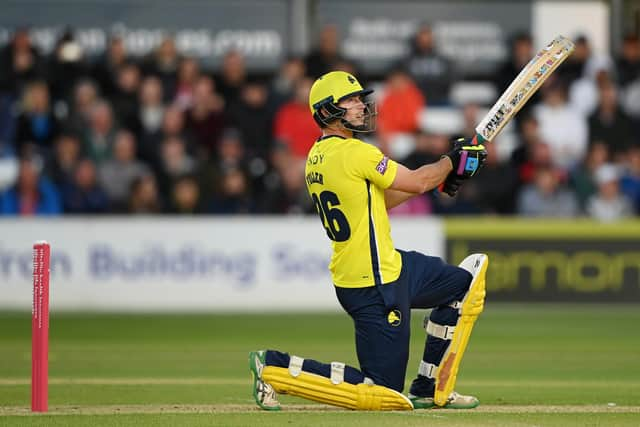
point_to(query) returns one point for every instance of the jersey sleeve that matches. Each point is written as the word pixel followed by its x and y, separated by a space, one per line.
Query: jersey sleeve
pixel 370 163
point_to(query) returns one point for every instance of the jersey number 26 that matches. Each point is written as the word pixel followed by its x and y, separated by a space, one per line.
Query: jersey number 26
pixel 333 219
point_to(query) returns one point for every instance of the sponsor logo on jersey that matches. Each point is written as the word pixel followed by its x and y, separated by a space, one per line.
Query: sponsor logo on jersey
pixel 382 165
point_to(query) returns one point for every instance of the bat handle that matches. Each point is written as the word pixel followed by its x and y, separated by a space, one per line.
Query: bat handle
pixel 478 139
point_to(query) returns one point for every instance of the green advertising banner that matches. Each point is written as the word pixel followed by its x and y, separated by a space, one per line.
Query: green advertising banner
pixel 550 260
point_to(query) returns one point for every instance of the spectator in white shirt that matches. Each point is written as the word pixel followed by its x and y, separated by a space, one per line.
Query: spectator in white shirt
pixel 609 204
pixel 561 126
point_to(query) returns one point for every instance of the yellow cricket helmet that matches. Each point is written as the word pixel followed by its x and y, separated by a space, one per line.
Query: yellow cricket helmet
pixel 331 88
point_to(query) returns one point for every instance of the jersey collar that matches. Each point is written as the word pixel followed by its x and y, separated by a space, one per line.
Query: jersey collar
pixel 329 136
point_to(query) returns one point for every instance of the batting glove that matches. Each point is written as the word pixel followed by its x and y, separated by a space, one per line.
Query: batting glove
pixel 466 158
pixel 452 184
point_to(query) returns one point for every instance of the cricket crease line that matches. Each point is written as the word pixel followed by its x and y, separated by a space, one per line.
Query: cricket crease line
pixel 244 408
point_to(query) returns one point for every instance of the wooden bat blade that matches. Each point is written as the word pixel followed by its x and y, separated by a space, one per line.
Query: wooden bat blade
pixel 531 77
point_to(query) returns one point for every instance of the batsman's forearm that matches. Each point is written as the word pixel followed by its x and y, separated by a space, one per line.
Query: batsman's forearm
pixel 393 198
pixel 432 175
pixel 422 179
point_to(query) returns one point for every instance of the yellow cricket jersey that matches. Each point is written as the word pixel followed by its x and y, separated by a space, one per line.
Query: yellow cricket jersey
pixel 346 179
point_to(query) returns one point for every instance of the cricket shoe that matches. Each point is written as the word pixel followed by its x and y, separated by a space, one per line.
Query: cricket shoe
pixel 455 401
pixel 264 394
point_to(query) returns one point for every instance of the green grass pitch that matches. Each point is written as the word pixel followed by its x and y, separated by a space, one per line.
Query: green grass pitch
pixel 530 365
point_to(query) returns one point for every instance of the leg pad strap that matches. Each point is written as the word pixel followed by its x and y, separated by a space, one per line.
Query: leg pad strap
pixel 427 369
pixel 444 332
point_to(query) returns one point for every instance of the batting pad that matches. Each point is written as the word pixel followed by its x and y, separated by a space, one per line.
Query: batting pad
pixel 471 306
pixel 367 397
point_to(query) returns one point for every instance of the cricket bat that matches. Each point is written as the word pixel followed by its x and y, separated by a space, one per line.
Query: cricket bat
pixel 522 88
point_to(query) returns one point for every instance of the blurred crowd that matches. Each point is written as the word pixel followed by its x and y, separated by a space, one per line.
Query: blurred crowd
pixel 162 134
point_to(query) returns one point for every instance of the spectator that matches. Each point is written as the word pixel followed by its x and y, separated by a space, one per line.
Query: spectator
pixel 20 63
pixel 283 86
pixel 151 109
pixel 174 162
pixel 173 126
pixel 185 196
pixel 432 72
pixel 288 195
pixel 66 66
pixel 528 131
pixel 471 115
pixel 63 163
pixel 521 54
pixel 573 68
pixel 33 194
pixel 461 204
pixel 531 150
pixel 8 166
pixel 564 129
pixel 252 117
pixel 205 120
pixel 7 121
pixel 233 76
pixel 495 186
pixel 105 70
pixel 233 196
pixel 144 198
pixel 163 63
pixel 582 178
pixel 399 108
pixel 125 98
pixel 293 125
pixel 188 75
pixel 546 197
pixel 583 92
pixel 326 54
pixel 232 155
pixel 609 124
pixel 117 174
pixel 543 158
pixel 231 152
pixel 608 204
pixel 36 127
pixel 294 198
pixel 98 139
pixel 346 66
pixel 84 195
pixel 628 63
pixel 269 183
pixel 85 96
pixel 427 149
pixel 630 181
pixel 630 101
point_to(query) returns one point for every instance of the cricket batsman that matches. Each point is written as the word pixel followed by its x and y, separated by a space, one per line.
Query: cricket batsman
pixel 352 184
